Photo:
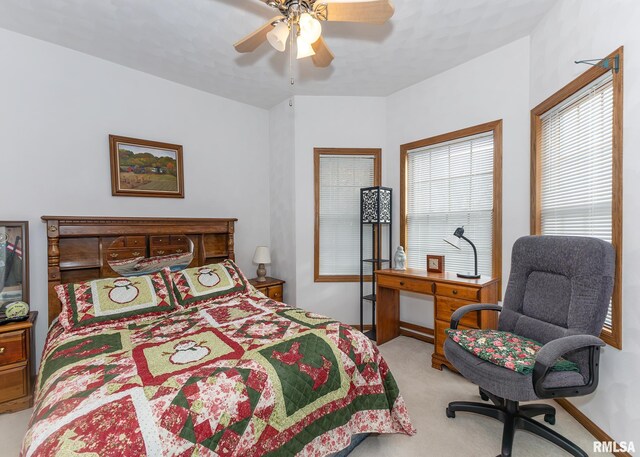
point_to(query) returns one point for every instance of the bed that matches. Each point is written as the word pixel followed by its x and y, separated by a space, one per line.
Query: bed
pixel 237 375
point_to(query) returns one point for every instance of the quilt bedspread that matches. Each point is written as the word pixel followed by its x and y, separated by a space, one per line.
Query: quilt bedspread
pixel 243 377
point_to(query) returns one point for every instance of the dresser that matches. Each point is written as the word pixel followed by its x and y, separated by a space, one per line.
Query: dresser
pixel 272 287
pixel 449 293
pixel 16 365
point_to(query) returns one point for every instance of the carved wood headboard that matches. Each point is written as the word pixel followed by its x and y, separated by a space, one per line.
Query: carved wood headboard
pixel 78 246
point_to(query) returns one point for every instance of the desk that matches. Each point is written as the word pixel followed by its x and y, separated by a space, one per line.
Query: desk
pixel 449 293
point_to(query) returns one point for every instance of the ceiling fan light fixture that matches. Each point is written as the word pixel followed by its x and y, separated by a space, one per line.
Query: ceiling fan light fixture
pixel 310 28
pixel 278 36
pixel 304 48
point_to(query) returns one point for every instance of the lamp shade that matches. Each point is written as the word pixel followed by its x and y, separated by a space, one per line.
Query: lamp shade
pixel 304 48
pixel 262 255
pixel 310 28
pixel 278 36
pixel 453 241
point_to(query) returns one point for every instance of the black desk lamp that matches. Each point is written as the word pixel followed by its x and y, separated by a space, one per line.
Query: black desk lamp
pixel 454 240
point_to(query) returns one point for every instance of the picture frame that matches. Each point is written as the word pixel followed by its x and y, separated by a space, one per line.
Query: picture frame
pixel 144 168
pixel 435 263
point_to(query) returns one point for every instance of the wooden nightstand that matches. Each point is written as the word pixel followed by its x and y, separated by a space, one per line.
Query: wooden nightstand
pixel 272 287
pixel 16 364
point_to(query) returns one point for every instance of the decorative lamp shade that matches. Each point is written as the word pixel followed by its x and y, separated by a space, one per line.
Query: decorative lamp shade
pixel 278 36
pixel 376 204
pixel 304 48
pixel 262 255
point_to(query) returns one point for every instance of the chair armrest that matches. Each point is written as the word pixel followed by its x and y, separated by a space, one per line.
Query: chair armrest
pixel 458 313
pixel 552 351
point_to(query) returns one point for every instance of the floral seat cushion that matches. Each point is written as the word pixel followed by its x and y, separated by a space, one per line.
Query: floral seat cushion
pixel 504 349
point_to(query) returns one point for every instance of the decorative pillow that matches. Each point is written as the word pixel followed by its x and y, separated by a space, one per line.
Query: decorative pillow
pixel 173 261
pixel 193 286
pixel 115 299
pixel 505 349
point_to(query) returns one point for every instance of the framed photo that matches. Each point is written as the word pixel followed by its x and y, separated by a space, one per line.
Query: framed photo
pixel 435 263
pixel 142 168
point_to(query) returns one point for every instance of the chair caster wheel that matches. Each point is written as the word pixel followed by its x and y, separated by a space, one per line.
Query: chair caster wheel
pixel 451 414
pixel 550 419
pixel 484 396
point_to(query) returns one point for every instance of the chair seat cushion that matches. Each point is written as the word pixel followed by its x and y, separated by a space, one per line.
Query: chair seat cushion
pixel 500 381
pixel 504 349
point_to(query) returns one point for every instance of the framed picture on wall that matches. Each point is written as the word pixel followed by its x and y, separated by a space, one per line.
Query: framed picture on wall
pixel 143 168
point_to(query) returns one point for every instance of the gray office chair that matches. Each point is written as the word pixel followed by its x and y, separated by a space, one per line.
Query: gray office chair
pixel 558 294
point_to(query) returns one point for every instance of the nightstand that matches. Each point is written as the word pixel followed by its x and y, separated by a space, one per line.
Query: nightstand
pixel 272 287
pixel 16 364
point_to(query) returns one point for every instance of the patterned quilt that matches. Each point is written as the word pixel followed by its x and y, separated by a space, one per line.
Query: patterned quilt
pixel 243 377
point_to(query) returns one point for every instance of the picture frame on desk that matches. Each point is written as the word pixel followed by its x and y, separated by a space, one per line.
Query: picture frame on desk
pixel 435 263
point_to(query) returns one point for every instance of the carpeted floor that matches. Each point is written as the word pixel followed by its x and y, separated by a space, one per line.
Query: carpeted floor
pixel 426 392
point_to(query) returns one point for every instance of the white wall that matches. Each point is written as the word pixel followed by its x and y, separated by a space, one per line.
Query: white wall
pixel 57 109
pixel 282 159
pixel 590 29
pixel 490 87
pixel 328 122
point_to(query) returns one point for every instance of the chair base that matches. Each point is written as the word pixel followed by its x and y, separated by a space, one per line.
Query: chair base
pixel 515 417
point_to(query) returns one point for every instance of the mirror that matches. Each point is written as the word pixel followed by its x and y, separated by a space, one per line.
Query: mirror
pixel 14 272
pixel 140 255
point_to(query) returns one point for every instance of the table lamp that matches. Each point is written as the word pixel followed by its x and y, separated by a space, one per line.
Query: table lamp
pixel 454 240
pixel 262 256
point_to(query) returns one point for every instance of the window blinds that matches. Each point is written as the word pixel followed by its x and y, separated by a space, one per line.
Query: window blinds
pixel 450 185
pixel 576 157
pixel 341 178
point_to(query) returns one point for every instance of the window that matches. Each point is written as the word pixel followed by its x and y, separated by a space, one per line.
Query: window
pixel 339 175
pixel 577 168
pixel 449 181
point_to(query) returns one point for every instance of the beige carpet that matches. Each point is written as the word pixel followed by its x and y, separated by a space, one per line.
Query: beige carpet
pixel 426 392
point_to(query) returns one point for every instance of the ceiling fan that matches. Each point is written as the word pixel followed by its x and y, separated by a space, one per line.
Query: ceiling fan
pixel 301 18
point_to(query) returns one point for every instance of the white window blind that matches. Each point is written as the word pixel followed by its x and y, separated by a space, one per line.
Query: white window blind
pixel 341 178
pixel 576 158
pixel 451 185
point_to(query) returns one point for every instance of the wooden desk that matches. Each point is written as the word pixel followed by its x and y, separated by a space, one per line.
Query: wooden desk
pixel 449 293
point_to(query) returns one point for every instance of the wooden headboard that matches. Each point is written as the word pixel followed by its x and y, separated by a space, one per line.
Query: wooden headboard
pixel 78 246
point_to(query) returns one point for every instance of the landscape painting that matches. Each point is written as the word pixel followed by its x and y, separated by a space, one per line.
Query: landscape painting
pixel 143 168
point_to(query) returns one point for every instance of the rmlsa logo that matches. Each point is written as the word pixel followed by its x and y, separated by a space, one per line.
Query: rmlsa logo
pixel 613 446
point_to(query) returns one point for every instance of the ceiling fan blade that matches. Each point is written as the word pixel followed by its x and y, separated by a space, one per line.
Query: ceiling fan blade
pixel 323 55
pixel 373 11
pixel 251 42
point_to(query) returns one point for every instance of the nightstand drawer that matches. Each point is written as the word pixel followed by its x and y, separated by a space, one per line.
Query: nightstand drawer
pixel 13 347
pixel 14 383
pixel 410 284
pixel 274 293
pixel 456 291
pixel 445 307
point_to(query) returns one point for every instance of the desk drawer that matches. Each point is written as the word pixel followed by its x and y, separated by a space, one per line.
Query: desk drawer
pixel 440 336
pixel 410 284
pixel 445 307
pixel 456 291
pixel 13 347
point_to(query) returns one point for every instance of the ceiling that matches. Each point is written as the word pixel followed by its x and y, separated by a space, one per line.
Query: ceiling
pixel 191 42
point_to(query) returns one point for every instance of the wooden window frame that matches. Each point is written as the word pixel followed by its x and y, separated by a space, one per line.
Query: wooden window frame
pixel 496 128
pixel 377 177
pixel 613 335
